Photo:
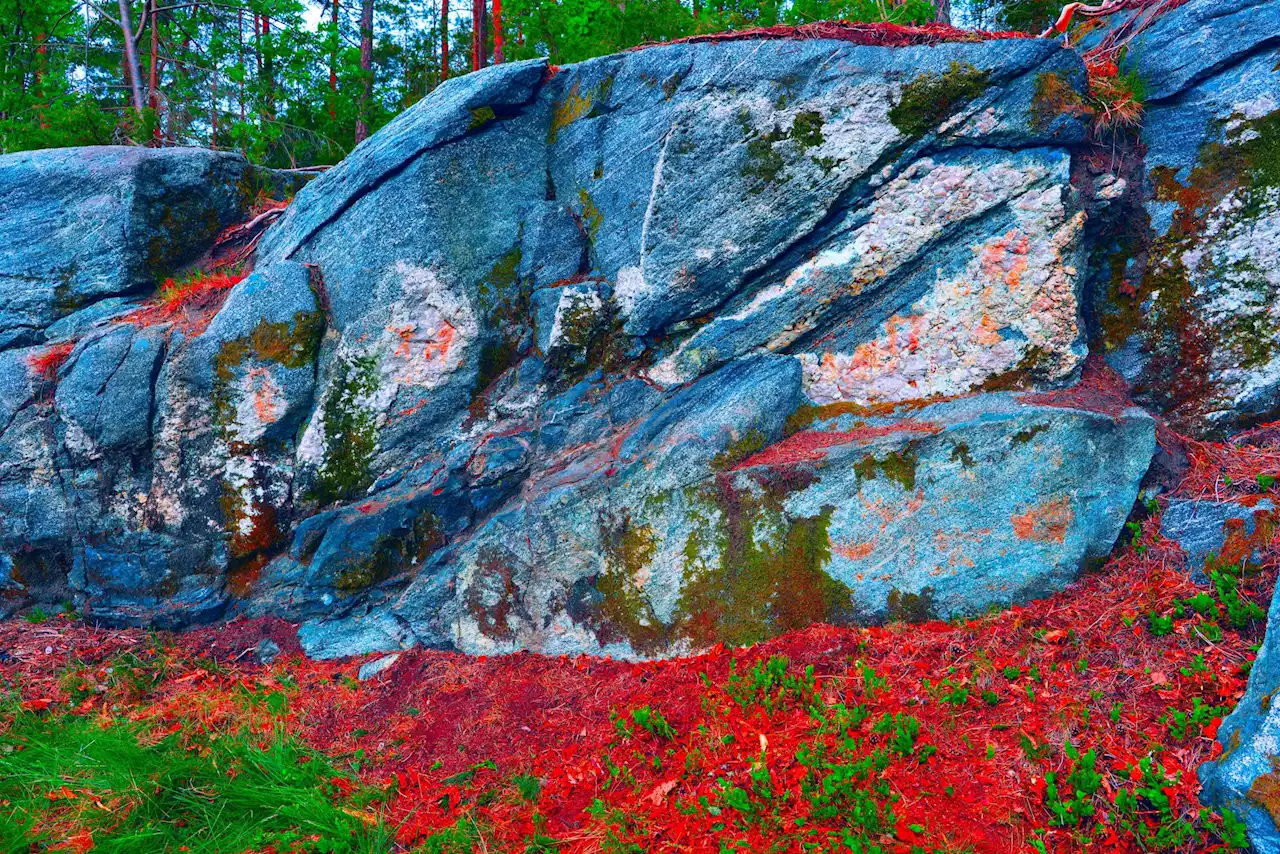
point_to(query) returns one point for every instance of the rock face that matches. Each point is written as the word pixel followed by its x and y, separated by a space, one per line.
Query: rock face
pixel 1246 776
pixel 85 224
pixel 688 345
pixel 1190 306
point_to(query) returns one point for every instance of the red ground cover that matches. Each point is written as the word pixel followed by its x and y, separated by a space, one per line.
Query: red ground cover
pixel 190 302
pixel 463 742
pixel 872 34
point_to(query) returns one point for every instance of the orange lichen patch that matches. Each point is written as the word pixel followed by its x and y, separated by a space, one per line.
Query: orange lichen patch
pixel 1100 389
pixel 810 445
pixel 267 404
pixel 1266 791
pixel 1241 544
pixel 188 303
pixel 1006 258
pixel 1047 523
pixel 877 34
pixel 46 363
pixel 854 551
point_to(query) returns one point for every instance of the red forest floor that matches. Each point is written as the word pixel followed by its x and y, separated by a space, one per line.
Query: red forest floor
pixel 935 737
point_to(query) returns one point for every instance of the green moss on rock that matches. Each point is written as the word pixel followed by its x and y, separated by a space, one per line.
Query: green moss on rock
pixel 350 430
pixel 394 552
pixel 897 466
pixel 930 99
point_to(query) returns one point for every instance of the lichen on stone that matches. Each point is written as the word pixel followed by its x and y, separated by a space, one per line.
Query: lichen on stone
pixel 350 432
pixel 931 98
pixel 897 466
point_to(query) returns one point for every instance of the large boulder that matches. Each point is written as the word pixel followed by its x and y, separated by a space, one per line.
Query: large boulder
pixel 1189 306
pixel 1246 777
pixel 605 359
pixel 85 224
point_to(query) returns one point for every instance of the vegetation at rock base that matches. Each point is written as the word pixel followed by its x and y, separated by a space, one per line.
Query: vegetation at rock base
pixel 892 739
pixel 239 782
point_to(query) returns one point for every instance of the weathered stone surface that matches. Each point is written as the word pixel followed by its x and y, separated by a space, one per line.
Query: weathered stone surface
pixel 1245 777
pixel 1203 528
pixel 854 519
pixel 1190 307
pixel 82 224
pixel 530 369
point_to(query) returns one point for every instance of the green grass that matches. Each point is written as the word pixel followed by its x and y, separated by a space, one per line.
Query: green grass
pixel 135 791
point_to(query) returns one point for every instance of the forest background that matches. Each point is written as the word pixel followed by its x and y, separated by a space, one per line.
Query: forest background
pixel 297 83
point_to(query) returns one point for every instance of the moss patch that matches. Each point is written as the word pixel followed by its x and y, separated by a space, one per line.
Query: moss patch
pixel 930 99
pixel 577 105
pixel 616 606
pixel 768 574
pixel 897 466
pixel 1024 436
pixel 1054 98
pixel 350 430
pixel 736 451
pixel 480 117
pixel 1152 295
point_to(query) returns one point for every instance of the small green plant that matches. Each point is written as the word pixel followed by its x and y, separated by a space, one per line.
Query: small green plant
pixel 1240 611
pixel 651 720
pixel 36 616
pixel 528 786
pixel 1159 626
pixel 1070 797
pixel 1183 725
pixel 771 685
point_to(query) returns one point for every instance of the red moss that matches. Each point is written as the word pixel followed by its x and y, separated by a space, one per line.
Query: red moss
pixel 1100 389
pixel 874 35
pixel 46 363
pixel 809 445
pixel 188 303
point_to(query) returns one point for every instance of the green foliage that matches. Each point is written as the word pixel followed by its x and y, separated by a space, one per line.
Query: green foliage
pixel 1240 612
pixel 1070 801
pixel 184 791
pixel 771 686
pixel 650 719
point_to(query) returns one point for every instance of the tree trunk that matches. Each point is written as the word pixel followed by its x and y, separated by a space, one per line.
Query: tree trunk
pixel 213 104
pixel 943 11
pixel 366 69
pixel 444 40
pixel 131 56
pixel 268 69
pixel 153 71
pixel 498 39
pixel 333 67
pixel 240 58
pixel 477 34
